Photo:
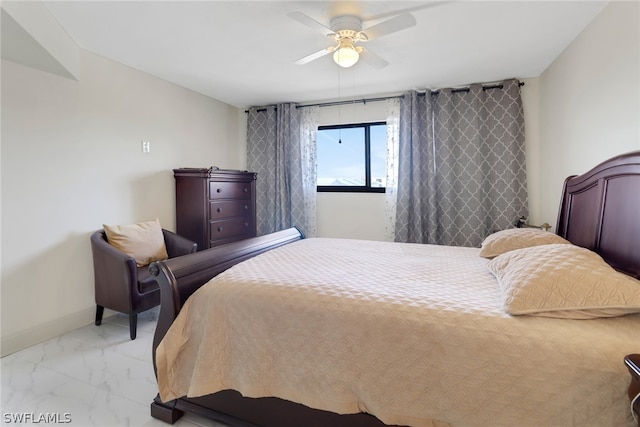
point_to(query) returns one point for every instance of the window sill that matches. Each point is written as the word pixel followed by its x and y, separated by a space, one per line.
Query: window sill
pixel 345 189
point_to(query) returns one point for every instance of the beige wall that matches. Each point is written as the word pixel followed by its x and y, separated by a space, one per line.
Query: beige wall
pixel 590 100
pixel 72 160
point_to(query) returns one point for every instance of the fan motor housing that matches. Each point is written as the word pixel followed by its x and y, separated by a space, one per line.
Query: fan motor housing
pixel 346 23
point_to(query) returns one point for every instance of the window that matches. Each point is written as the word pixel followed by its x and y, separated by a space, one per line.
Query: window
pixel 352 158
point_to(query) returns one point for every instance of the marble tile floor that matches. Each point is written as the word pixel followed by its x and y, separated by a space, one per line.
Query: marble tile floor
pixel 95 374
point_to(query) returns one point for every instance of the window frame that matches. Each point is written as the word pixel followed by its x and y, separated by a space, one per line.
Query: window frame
pixel 367 188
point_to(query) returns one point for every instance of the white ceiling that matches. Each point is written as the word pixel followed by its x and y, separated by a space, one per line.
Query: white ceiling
pixel 242 52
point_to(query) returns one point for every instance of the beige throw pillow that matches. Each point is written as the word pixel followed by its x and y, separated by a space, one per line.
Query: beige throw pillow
pixel 143 241
pixel 563 281
pixel 517 238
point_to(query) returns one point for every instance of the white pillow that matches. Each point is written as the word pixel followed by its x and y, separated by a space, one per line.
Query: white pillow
pixel 563 281
pixel 517 238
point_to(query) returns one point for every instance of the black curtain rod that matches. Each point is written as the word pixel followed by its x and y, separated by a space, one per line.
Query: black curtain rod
pixel 335 103
pixel 365 100
pixel 353 101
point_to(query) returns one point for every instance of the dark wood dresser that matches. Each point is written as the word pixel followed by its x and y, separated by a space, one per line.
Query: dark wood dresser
pixel 215 206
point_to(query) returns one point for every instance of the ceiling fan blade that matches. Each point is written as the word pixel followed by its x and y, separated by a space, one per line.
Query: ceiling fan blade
pixel 389 26
pixel 372 59
pixel 314 56
pixel 414 8
pixel 310 22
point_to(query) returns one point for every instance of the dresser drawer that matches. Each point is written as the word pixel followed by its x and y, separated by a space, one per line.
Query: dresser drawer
pixel 231 227
pixel 229 190
pixel 229 208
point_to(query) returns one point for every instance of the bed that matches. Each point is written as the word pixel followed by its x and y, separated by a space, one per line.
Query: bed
pixel 279 330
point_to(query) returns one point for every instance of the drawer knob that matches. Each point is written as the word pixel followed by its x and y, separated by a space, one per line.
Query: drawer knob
pixel 246 207
pixel 246 190
pixel 246 224
pixel 219 190
pixel 219 210
pixel 219 229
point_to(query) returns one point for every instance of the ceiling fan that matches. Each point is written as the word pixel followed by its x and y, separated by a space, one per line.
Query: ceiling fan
pixel 347 33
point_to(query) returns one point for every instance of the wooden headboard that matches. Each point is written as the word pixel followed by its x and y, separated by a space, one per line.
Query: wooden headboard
pixel 600 210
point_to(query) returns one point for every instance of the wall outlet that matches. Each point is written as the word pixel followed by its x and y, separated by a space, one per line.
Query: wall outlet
pixel 146 146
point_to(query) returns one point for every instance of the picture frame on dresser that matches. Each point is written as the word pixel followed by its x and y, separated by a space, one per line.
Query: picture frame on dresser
pixel 215 206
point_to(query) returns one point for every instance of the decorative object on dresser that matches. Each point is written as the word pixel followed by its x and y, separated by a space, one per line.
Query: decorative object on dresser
pixel 633 364
pixel 522 222
pixel 215 206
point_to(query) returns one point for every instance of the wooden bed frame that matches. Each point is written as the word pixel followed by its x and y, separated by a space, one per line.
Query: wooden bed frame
pixel 600 210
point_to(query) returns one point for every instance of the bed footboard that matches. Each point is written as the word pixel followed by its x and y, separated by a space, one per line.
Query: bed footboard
pixel 180 277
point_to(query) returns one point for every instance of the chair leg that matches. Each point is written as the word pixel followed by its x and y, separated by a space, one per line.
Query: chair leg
pixel 133 324
pixel 99 312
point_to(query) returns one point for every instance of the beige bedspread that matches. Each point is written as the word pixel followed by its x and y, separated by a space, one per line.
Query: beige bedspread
pixel 414 334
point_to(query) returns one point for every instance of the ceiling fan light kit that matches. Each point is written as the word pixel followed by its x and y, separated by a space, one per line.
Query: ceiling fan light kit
pixel 346 55
pixel 347 31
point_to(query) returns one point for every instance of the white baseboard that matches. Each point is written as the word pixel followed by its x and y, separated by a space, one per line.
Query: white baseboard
pixel 51 329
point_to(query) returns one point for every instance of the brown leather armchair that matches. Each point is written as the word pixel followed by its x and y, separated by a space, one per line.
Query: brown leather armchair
pixel 122 286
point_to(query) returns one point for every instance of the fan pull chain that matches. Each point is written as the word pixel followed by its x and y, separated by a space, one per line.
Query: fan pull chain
pixel 339 107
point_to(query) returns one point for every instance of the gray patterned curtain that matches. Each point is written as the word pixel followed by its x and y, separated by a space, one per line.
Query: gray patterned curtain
pixel 461 164
pixel 281 150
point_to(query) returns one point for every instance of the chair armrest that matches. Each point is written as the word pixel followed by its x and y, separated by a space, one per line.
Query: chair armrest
pixel 104 249
pixel 115 274
pixel 178 245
